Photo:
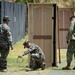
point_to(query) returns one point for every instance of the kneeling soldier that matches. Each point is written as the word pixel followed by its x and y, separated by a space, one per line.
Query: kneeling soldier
pixel 37 57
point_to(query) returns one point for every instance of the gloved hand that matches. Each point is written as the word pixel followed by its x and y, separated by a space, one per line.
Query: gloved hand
pixel 11 48
pixel 20 56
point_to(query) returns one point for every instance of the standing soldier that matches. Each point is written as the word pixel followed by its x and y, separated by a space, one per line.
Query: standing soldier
pixel 71 43
pixel 5 43
pixel 37 57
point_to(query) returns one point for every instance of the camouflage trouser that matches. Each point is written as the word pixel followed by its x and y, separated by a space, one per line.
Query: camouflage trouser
pixel 4 53
pixel 36 61
pixel 70 51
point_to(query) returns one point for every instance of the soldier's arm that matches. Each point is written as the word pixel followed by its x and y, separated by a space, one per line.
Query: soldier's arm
pixel 9 36
pixel 26 52
pixel 29 50
pixel 70 31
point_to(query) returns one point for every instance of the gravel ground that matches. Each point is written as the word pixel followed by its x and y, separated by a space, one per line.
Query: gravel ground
pixel 49 71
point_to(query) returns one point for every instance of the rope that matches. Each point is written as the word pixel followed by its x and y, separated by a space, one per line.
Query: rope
pixel 19 60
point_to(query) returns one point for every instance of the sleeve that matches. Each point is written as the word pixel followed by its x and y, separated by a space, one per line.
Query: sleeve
pixel 9 36
pixel 26 52
pixel 32 47
pixel 70 31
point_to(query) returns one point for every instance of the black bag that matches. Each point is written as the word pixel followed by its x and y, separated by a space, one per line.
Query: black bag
pixel 3 38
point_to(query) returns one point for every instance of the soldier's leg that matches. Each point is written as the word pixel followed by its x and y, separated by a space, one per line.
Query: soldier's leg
pixel 39 61
pixel 4 54
pixel 74 61
pixel 33 61
pixel 74 55
pixel 69 55
pixel 2 63
pixel 69 59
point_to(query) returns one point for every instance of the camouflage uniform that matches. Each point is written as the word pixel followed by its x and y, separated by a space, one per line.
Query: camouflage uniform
pixel 7 37
pixel 71 45
pixel 37 57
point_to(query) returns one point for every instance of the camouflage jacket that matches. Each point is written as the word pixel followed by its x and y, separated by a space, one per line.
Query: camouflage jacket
pixel 34 49
pixel 7 33
pixel 71 31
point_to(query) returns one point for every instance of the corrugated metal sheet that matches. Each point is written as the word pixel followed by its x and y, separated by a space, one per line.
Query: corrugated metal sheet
pixel 17 13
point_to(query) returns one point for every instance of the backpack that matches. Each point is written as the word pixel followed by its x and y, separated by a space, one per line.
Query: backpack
pixel 3 38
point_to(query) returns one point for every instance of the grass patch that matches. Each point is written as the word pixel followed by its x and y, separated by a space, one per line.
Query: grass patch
pixel 13 54
pixel 18 50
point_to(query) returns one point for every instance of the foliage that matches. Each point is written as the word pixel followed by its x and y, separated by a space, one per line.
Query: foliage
pixel 24 1
pixel 64 3
pixel 72 3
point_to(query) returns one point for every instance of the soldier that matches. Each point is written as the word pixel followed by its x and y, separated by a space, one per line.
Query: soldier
pixel 71 43
pixel 37 57
pixel 5 43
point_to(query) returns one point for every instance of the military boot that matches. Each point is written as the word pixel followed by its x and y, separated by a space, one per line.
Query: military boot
pixel 43 66
pixel 74 68
pixel 67 67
